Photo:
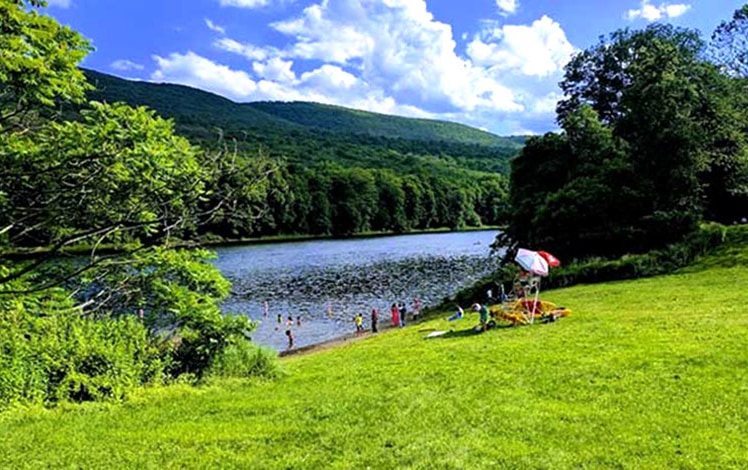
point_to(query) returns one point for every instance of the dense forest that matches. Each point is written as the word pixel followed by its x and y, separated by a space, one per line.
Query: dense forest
pixel 335 170
pixel 654 142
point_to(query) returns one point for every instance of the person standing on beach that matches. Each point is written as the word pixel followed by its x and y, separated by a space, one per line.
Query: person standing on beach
pixel 416 309
pixel 265 308
pixel 482 315
pixel 359 323
pixel 395 315
pixel 289 334
pixel 374 320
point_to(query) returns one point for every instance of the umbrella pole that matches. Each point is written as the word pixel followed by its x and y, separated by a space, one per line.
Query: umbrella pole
pixel 535 303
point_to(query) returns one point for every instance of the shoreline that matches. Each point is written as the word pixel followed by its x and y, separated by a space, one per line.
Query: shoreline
pixel 341 340
pixel 358 236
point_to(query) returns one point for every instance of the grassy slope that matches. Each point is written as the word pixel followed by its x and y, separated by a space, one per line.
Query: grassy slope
pixel 645 374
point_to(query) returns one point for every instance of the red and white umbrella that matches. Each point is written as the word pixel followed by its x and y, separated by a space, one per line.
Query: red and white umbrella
pixel 532 261
pixel 552 260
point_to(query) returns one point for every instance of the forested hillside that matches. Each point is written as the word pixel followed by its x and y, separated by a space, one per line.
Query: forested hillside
pixel 307 133
pixel 332 170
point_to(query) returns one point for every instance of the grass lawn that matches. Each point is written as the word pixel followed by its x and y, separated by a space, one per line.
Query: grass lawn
pixel 644 374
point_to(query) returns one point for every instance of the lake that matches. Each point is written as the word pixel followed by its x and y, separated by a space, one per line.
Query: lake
pixel 325 283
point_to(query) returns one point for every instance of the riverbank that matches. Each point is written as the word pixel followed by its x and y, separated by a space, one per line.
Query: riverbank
pixel 357 236
pixel 644 374
pixel 217 242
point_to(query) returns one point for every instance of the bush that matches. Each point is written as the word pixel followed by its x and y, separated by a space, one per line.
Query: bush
pixel 673 257
pixel 50 352
pixel 667 260
pixel 245 359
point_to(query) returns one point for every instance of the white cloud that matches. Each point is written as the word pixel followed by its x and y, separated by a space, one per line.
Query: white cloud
pixel 244 3
pixel 392 56
pixel 125 65
pixel 538 50
pixel 650 12
pixel 59 3
pixel 249 51
pixel 193 70
pixel 507 7
pixel 397 46
pixel 275 69
pixel 214 27
pixel 329 78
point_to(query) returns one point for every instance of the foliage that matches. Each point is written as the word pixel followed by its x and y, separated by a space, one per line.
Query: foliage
pixel 244 359
pixel 52 351
pixel 729 47
pixel 117 181
pixel 38 63
pixel 120 168
pixel 654 142
pixel 643 374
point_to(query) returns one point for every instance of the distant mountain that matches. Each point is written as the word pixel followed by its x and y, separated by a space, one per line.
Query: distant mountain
pixel 306 132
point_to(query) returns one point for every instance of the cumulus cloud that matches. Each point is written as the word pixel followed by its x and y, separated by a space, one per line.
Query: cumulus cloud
pixel 396 45
pixel 507 7
pixel 193 70
pixel 275 69
pixel 650 12
pixel 125 65
pixel 244 3
pixel 59 3
pixel 539 49
pixel 392 56
pixel 214 27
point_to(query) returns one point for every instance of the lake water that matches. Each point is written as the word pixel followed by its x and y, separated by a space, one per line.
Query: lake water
pixel 327 282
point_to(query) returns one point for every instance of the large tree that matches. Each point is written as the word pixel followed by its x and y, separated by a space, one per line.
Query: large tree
pixel 654 140
pixel 119 184
pixel 729 46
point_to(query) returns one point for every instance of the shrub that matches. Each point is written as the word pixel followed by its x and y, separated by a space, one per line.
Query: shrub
pixel 50 352
pixel 673 257
pixel 246 359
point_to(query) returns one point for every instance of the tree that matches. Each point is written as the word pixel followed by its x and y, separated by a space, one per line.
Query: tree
pixel 729 46
pixel 114 178
pixel 390 209
pixel 38 64
pixel 650 144
pixel 599 76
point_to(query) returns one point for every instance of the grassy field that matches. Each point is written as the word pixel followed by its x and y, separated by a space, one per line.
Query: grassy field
pixel 645 374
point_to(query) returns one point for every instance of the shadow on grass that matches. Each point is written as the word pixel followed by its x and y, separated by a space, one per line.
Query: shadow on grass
pixel 466 332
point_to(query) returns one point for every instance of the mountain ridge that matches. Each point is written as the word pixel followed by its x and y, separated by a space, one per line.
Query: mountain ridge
pixel 308 133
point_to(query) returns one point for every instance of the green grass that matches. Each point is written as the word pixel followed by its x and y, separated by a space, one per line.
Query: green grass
pixel 644 374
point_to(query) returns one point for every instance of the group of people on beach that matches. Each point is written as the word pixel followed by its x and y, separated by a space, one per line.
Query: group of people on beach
pixel 399 313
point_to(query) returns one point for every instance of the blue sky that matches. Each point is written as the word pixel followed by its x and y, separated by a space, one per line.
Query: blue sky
pixel 491 64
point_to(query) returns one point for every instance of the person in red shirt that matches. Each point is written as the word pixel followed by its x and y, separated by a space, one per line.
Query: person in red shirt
pixel 395 315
